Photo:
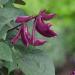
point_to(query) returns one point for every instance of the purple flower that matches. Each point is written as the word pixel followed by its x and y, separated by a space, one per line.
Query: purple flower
pixel 25 35
pixel 16 38
pixel 47 16
pixel 38 24
pixel 44 28
pixel 28 39
pixel 22 19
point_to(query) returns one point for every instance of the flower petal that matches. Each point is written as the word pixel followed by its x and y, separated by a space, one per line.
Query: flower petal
pixel 39 42
pixel 16 38
pixel 47 16
pixel 25 36
pixel 43 28
pixel 35 41
pixel 22 19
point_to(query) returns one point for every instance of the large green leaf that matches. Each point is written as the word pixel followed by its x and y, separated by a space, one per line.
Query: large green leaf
pixel 33 62
pixel 5 52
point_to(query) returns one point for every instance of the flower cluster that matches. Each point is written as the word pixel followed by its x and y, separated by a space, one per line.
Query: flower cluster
pixel 39 25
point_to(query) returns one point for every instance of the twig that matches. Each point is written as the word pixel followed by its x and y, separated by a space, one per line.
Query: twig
pixel 14 28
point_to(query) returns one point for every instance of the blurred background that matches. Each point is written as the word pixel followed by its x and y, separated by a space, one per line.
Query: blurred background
pixel 62 47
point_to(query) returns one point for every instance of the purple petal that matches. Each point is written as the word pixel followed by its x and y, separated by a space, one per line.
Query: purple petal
pixel 16 38
pixel 47 16
pixel 35 41
pixel 25 36
pixel 22 19
pixel 39 42
pixel 43 28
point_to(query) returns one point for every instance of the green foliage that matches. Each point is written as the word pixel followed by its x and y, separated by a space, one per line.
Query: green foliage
pixel 5 52
pixel 3 32
pixel 33 62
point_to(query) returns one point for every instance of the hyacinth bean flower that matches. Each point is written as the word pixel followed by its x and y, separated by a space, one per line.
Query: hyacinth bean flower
pixel 44 28
pixel 47 16
pixel 26 38
pixel 39 25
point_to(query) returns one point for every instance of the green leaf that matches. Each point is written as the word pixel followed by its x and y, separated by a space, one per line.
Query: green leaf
pixel 33 62
pixel 5 52
pixel 7 15
pixel 3 32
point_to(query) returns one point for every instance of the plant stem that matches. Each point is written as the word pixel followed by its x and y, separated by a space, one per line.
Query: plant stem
pixel 14 28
